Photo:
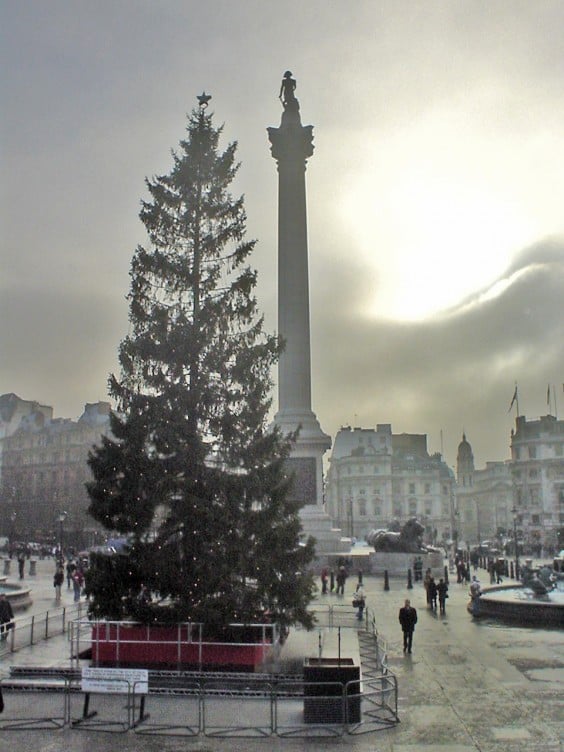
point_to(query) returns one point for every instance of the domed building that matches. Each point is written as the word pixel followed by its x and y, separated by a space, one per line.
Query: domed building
pixel 483 497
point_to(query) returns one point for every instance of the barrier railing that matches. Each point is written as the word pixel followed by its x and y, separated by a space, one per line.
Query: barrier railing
pixel 29 630
pixel 226 705
pixel 182 644
pixel 245 706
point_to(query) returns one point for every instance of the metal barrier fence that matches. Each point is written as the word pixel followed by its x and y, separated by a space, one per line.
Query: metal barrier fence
pixel 196 708
pixel 30 630
pixel 189 704
pixel 181 644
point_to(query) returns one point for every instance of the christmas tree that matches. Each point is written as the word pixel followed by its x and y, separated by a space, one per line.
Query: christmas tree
pixel 192 474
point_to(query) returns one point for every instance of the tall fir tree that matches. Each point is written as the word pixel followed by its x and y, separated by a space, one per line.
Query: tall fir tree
pixel 192 473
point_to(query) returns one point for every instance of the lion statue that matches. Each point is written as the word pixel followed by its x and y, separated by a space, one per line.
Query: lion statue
pixel 408 540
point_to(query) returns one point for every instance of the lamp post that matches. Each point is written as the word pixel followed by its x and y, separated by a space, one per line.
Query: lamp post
pixel 455 532
pixel 478 531
pixel 351 515
pixel 62 517
pixel 514 512
pixel 13 518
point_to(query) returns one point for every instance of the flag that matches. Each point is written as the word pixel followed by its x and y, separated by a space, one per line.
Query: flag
pixel 513 399
pixel 548 395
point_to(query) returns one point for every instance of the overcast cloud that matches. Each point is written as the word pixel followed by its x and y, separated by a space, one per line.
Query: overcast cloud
pixel 435 192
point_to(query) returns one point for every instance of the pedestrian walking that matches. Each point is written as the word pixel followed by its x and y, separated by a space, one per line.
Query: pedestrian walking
pixel 408 620
pixel 426 581
pixel 418 569
pixel 71 567
pixel 442 593
pixel 21 564
pixel 359 600
pixel 432 590
pixel 77 583
pixel 58 580
pixel 324 580
pixel 6 616
pixel 341 579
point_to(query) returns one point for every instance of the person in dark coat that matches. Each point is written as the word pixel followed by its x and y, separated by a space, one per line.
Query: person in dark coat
pixel 6 616
pixel 408 620
pixel 442 592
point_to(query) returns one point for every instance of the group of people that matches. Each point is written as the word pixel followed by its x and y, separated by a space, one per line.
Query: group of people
pixel 329 580
pixel 436 594
pixel 435 591
pixel 74 575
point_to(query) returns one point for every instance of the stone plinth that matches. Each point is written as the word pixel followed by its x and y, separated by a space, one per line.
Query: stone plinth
pixel 397 564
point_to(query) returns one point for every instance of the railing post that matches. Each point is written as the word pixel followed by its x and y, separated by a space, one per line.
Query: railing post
pixel 32 627
pixel 64 619
pixel 47 625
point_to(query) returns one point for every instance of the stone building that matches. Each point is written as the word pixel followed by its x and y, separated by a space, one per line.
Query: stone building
pixel 484 498
pixel 44 471
pixel 13 410
pixel 376 478
pixel 537 453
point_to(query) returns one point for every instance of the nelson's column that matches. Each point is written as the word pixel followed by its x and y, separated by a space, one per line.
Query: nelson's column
pixel 292 145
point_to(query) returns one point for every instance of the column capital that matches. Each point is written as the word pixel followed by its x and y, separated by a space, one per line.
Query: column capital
pixel 292 142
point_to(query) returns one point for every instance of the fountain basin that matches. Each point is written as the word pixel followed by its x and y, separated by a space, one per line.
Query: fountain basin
pixel 518 604
pixel 19 597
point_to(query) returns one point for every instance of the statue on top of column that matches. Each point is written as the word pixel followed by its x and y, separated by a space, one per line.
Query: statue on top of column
pixel 287 89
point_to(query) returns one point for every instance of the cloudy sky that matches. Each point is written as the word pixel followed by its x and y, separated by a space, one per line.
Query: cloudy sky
pixel 435 194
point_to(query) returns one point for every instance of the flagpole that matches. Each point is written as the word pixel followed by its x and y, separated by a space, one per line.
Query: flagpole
pixel 555 405
pixel 517 399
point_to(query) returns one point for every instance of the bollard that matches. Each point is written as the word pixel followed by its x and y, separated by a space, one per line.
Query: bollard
pixel 386 580
pixel 446 575
pixel 409 580
pixel 32 565
pixel 511 570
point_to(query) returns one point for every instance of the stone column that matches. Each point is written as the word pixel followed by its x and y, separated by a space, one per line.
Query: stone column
pixel 291 146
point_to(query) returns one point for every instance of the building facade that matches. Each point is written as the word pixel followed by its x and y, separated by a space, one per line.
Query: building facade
pixel 44 471
pixel 537 454
pixel 377 478
pixel 484 498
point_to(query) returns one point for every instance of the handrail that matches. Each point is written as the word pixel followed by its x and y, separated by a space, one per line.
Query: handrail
pixel 29 630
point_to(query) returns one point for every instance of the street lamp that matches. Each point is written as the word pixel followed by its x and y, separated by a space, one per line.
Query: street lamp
pixel 478 531
pixel 351 516
pixel 455 532
pixel 514 512
pixel 13 518
pixel 61 518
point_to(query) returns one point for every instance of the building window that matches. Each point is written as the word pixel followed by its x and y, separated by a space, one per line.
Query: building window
pixel 412 488
pixel 397 510
pixel 445 489
pixel 533 473
pixel 516 452
pixel 427 488
pixel 532 452
pixel 412 507
pixel 362 507
pixel 377 510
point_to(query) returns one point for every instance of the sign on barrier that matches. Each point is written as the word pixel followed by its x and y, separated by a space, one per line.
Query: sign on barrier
pixel 115 680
